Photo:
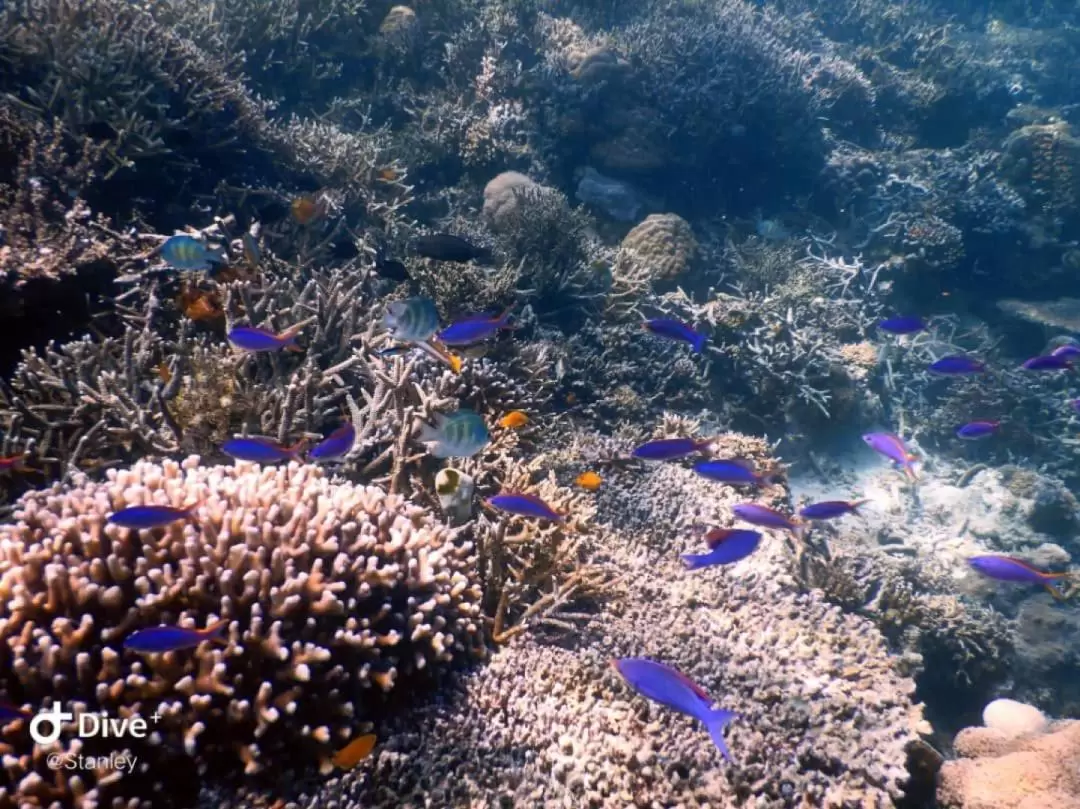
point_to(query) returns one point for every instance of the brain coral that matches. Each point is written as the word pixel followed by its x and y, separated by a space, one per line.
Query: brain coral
pixel 660 248
pixel 333 594
pixel 502 195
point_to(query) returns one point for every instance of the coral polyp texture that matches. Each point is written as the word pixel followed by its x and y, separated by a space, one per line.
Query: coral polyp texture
pixel 661 248
pixel 335 596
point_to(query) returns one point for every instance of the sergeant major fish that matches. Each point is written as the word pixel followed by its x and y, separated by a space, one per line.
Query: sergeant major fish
pixel 460 434
pixel 413 320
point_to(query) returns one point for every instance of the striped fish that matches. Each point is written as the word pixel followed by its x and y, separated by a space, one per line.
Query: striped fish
pixel 412 320
pixel 460 434
pixel 183 252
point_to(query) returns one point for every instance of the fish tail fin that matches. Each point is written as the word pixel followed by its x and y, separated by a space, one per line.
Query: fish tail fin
pixel 215 633
pixel 699 343
pixel 715 722
pixel 1054 591
pixel 799 529
pixel 289 336
pixel 454 361
pixel 295 450
pixel 857 504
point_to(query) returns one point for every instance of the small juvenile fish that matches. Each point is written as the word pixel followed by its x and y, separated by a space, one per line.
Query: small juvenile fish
pixel 732 471
pixel 734 546
pixel 306 209
pixel 957 364
pixel 390 268
pixel 524 505
pixel 460 434
pixel 150 516
pixel 902 325
pixel 173 638
pixel 830 509
pixel 9 713
pixel 977 429
pixel 590 481
pixel 756 514
pixel 674 689
pixel 474 329
pixel 668 449
pixel 183 252
pixel 514 420
pixel 1009 568
pixel 1047 362
pixel 200 305
pixel 354 752
pixel 335 446
pixel 892 448
pixel 412 320
pixel 251 338
pixel 448 247
pixel 676 330
pixel 260 450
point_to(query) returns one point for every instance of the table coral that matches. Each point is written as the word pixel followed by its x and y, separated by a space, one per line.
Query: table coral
pixel 334 594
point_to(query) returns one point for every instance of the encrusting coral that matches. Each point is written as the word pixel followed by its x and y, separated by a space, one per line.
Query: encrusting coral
pixel 335 596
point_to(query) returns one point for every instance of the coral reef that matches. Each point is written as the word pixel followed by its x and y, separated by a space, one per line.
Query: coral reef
pixel 334 596
pixel 1027 773
pixel 660 248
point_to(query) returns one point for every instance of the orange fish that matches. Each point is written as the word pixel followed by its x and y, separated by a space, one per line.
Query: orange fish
pixel 387 174
pixel 163 372
pixel 589 481
pixel 514 420
pixel 306 209
pixel 200 305
pixel 354 752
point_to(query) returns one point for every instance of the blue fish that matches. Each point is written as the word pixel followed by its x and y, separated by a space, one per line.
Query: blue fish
pixel 674 689
pixel 1048 362
pixel 335 446
pixel 183 252
pixel 957 364
pixel 252 338
pixel 756 514
pixel 173 638
pixel 9 713
pixel 977 429
pixel 475 329
pixel 902 325
pixel 676 330
pixel 524 505
pixel 668 449
pixel 260 450
pixel 413 320
pixel 734 545
pixel 893 448
pixel 1009 568
pixel 830 509
pixel 732 471
pixel 1069 350
pixel 150 516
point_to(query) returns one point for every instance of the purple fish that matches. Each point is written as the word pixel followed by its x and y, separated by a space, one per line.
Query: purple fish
pixel 1075 404
pixel 902 325
pixel 150 516
pixel 260 450
pixel 1009 568
pixel 732 471
pixel 251 338
pixel 335 446
pixel 475 329
pixel 736 545
pixel 674 689
pixel 893 448
pixel 676 330
pixel 977 429
pixel 668 449
pixel 830 509
pixel 1069 350
pixel 525 505
pixel 1047 362
pixel 957 364
pixel 172 638
pixel 756 514
pixel 9 713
